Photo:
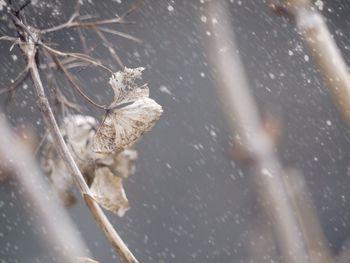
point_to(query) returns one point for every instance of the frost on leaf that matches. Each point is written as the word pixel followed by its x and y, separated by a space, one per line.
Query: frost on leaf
pixel 78 132
pixel 131 114
pixel 108 191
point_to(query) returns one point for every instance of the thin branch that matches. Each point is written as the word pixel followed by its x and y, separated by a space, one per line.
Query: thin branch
pixel 71 23
pixel 70 62
pixel 41 143
pixel 74 84
pixel 83 41
pixel 24 5
pixel 61 233
pixel 315 240
pixel 8 38
pixel 109 45
pixel 121 34
pixel 58 95
pixel 79 56
pixel 324 51
pixel 18 80
pixel 68 159
pixel 243 119
pixel 68 23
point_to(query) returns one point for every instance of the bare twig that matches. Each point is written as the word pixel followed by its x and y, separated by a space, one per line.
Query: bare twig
pixel 7 38
pixel 79 56
pixel 83 41
pixel 109 45
pixel 71 23
pixel 68 23
pixel 74 84
pixel 61 100
pixel 243 118
pixel 61 233
pixel 324 51
pixel 121 34
pixel 18 80
pixel 70 62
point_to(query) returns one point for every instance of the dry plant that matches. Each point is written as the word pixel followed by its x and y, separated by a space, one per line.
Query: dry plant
pixel 97 157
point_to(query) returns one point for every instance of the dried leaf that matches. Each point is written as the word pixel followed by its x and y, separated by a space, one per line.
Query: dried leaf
pixel 60 179
pixel 132 114
pixel 121 164
pixel 125 87
pixel 78 131
pixel 108 191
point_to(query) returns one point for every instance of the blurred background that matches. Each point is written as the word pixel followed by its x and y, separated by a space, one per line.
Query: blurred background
pixel 189 201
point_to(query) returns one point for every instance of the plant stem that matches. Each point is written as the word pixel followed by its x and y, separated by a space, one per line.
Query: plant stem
pixel 43 103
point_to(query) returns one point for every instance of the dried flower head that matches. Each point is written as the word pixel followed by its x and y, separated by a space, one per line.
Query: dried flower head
pixel 108 191
pixel 131 114
pixel 103 173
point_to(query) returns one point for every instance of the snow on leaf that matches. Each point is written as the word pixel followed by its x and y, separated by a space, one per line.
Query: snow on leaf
pixel 131 114
pixel 108 191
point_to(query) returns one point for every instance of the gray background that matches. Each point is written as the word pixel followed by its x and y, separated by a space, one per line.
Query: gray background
pixel 189 202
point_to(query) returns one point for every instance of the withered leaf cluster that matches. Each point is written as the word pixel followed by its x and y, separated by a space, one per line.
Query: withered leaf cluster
pixel 131 114
pixel 103 152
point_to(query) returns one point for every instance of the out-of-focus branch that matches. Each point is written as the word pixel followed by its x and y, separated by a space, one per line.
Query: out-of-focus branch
pixel 243 119
pixel 323 49
pixel 61 232
pixel 307 216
